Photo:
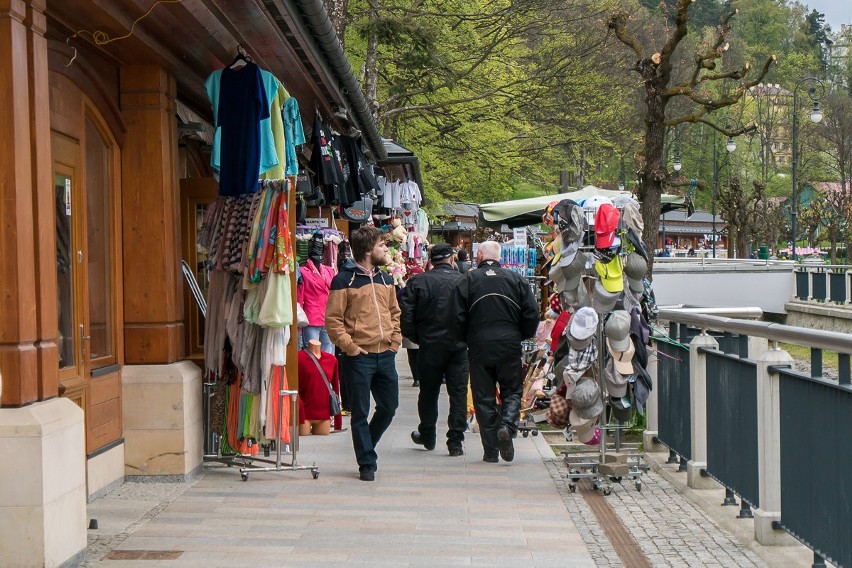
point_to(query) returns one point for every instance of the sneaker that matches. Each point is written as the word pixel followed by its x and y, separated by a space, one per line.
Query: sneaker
pixel 507 449
pixel 490 459
pixel 456 450
pixel 367 474
pixel 418 439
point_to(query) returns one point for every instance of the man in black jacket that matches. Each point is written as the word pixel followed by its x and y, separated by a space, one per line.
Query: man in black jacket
pixel 493 310
pixel 424 304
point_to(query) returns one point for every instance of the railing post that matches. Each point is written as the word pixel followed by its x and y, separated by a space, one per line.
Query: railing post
pixel 652 412
pixel 769 448
pixel 698 401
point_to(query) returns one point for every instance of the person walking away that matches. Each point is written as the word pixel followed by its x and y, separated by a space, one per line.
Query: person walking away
pixel 463 264
pixel 492 310
pixel 425 301
pixel 362 319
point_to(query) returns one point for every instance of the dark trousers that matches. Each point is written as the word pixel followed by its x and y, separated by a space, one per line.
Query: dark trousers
pixel 484 379
pixel 345 387
pixel 434 366
pixel 412 363
pixel 373 373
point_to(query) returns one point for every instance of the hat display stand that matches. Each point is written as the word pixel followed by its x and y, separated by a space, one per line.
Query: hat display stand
pixel 612 461
pixel 535 362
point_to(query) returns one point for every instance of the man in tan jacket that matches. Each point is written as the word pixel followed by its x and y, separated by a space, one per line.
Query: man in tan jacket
pixel 362 319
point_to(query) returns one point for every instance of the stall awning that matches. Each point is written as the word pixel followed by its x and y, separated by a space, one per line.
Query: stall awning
pixel 522 212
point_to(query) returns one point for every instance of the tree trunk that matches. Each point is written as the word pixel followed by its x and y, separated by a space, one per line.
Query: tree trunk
pixel 652 175
pixel 337 10
pixel 371 62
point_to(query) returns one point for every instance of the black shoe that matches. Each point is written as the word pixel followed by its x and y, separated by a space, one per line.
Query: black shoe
pixel 416 383
pixel 420 441
pixel 367 474
pixel 456 450
pixel 507 449
pixel 490 459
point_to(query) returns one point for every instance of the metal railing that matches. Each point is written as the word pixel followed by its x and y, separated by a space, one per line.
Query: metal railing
pixel 824 283
pixel 763 423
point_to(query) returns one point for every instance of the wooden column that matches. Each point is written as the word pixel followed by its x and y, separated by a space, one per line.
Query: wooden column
pixel 28 328
pixel 153 302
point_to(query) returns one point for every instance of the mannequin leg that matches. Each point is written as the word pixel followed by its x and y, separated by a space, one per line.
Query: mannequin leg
pixel 320 427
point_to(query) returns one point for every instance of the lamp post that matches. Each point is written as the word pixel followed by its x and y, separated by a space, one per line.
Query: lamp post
pixel 816 116
pixel 730 146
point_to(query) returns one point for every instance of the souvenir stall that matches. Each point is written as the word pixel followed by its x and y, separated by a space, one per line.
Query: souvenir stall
pixel 247 235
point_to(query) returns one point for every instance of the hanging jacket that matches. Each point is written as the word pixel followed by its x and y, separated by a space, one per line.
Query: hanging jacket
pixel 363 312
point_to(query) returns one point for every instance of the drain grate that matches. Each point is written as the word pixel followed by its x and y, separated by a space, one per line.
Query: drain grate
pixel 143 555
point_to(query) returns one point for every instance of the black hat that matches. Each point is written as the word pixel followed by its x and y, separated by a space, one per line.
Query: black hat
pixel 440 251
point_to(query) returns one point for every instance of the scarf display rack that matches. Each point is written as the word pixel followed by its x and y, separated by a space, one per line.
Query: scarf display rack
pixel 247 329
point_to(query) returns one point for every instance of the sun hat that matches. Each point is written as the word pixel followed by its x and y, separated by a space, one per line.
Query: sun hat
pixel 557 412
pixel 616 383
pixel 635 268
pixel 604 300
pixel 606 223
pixel 617 330
pixel 610 274
pixel 582 328
pixel 623 360
pixel 586 402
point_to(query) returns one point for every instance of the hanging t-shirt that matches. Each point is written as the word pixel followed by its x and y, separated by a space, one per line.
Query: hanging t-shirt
pixel 293 133
pixel 322 160
pixel 240 103
pixel 390 199
pixel 268 155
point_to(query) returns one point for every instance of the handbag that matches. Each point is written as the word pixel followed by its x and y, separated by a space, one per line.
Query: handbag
pixel 301 316
pixel 334 400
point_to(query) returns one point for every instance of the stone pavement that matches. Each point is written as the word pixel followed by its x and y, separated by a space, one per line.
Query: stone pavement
pixel 424 509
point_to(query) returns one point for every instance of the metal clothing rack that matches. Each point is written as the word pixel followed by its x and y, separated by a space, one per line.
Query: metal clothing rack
pixel 294 442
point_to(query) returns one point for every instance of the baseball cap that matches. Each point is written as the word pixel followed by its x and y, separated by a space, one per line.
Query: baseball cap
pixel 635 268
pixel 604 300
pixel 572 270
pixel 631 218
pixel 606 223
pixel 591 437
pixel 623 360
pixel 586 402
pixel 567 252
pixel 610 274
pixel 617 330
pixel 441 251
pixel 595 202
pixel 569 218
pixel 582 327
pixel 616 383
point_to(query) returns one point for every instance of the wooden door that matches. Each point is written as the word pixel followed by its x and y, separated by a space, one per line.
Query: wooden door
pixel 84 183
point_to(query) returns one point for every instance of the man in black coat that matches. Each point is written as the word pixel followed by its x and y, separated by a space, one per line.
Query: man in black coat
pixel 424 303
pixel 493 310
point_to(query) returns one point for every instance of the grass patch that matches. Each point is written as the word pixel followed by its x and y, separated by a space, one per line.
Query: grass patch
pixel 803 353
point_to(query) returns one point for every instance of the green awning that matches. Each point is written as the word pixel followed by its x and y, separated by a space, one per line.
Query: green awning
pixel 523 212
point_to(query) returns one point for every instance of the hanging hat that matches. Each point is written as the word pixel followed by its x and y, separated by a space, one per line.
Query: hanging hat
pixel 636 240
pixel 606 224
pixel 611 274
pixel 635 268
pixel 586 402
pixel 631 218
pixel 570 377
pixel 569 219
pixel 591 437
pixel 604 300
pixel 557 412
pixel 595 203
pixel 622 359
pixel 576 298
pixel 572 270
pixel 617 330
pixel 567 252
pixel 582 327
pixel 622 410
pixel 616 383
pixel 555 303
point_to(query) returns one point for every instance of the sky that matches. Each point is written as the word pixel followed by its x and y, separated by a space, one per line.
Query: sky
pixel 836 11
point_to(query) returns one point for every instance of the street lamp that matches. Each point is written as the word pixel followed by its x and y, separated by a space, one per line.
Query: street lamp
pixel 816 116
pixel 677 165
pixel 730 147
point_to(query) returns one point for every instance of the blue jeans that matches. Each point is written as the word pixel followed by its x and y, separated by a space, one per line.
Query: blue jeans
pixel 320 334
pixel 373 373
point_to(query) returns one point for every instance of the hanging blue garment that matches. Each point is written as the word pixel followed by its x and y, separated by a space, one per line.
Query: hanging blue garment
pixel 240 104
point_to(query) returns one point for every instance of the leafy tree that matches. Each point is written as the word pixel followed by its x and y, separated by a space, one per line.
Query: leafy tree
pixel 743 210
pixel 836 146
pixel 655 67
